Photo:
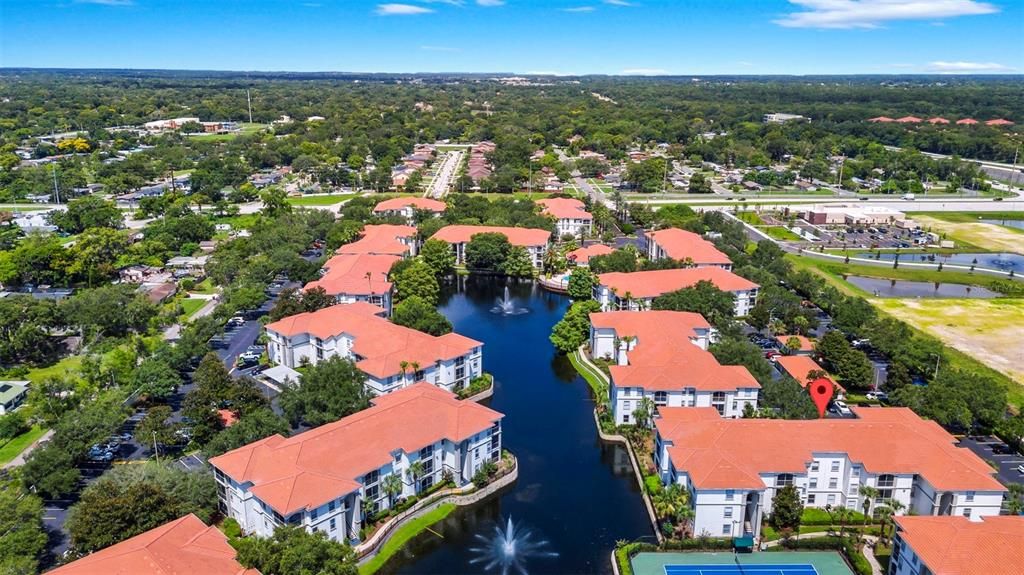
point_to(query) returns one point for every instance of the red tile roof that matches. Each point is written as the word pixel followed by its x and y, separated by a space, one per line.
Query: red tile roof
pixel 882 119
pixel 347 274
pixel 396 204
pixel 654 283
pixel 664 358
pixel 525 237
pixel 564 208
pixel 955 545
pixel 967 122
pixel 382 344
pixel 909 120
pixel 309 469
pixel 999 122
pixel 583 255
pixel 382 239
pixel 730 453
pixel 183 546
pixel 938 120
pixel 798 366
pixel 682 245
pixel 805 343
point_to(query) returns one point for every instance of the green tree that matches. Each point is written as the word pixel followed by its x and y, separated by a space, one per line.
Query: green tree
pixel 275 202
pixel 50 471
pixel 216 389
pixel 131 499
pixel 112 310
pixel 487 251
pixel 252 427
pixel 417 313
pixel 786 399
pixel 573 330
pixel 295 551
pixel 704 298
pixel 581 284
pixel 330 390
pixel 156 379
pixel 22 536
pixel 868 495
pixel 617 261
pixel 787 509
pixel 391 485
pixel 439 256
pixel 87 212
pixel 416 279
pixel 155 427
pixel 518 263
pixel 699 184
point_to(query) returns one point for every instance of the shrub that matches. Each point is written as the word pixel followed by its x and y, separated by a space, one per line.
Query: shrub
pixel 231 528
pixel 652 483
pixel 818 516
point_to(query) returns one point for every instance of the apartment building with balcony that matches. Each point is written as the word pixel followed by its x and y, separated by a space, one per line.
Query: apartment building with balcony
pixel 571 219
pixel 685 246
pixel 957 545
pixel 637 290
pixel 534 240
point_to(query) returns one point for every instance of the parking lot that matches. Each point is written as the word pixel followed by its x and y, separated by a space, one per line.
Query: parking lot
pixel 993 449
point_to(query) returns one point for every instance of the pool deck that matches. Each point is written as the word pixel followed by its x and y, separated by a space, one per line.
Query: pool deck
pixel 824 562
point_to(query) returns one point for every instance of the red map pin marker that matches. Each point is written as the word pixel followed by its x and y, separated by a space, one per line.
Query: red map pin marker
pixel 821 392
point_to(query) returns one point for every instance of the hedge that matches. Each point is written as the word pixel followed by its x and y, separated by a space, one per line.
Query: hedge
pixel 697 544
pixel 818 516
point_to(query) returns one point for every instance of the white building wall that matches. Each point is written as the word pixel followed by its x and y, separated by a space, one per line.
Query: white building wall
pixel 626 400
pixel 573 227
pixel 745 300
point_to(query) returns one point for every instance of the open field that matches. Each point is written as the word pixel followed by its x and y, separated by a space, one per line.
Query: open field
pixel 834 270
pixel 320 199
pixel 972 217
pixel 16 445
pixel 246 129
pixel 190 306
pixel 781 233
pixel 989 330
pixel 70 364
pixel 988 236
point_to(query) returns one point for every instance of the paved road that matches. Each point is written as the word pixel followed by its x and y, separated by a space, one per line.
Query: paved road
pixel 1007 464
pixel 443 176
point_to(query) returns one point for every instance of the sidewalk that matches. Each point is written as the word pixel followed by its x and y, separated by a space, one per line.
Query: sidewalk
pixel 173 332
pixel 20 458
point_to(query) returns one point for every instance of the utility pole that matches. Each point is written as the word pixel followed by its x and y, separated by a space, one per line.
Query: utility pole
pixel 56 190
pixel 156 451
pixel 248 99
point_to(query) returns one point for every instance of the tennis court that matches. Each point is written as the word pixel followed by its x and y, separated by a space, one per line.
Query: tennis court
pixel 728 563
pixel 784 569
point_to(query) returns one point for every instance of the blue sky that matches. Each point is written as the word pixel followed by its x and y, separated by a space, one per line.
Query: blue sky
pixel 523 36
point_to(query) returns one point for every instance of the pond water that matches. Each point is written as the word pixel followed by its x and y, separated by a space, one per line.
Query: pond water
pixel 1019 224
pixel 574 492
pixel 997 261
pixel 901 288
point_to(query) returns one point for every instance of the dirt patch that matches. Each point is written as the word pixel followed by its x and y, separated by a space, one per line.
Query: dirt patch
pixel 991 331
pixel 987 236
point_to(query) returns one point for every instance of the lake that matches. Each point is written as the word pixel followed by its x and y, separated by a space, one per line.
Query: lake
pixel 573 491
pixel 998 261
pixel 901 288
pixel 1019 224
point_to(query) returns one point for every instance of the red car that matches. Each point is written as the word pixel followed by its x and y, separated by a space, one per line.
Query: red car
pixel 771 354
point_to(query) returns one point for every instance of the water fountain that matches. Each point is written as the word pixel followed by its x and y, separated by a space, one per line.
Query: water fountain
pixel 507 306
pixel 507 550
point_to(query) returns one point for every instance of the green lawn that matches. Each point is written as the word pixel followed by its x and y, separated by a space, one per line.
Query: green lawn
pixel 781 233
pixel 12 448
pixel 836 269
pixel 68 364
pixel 402 536
pixel 204 287
pixel 593 379
pixel 191 306
pixel 320 199
pixel 968 217
pixel 751 218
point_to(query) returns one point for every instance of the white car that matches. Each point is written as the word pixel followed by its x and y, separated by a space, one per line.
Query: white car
pixel 841 407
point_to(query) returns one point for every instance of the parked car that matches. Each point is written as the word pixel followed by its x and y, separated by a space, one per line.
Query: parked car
pixel 1020 468
pixel 236 321
pixel 771 355
pixel 877 395
pixel 841 408
pixel 1001 449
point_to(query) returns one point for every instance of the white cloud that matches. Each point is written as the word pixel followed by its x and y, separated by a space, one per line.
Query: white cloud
pixel 618 3
pixel 967 67
pixel 643 72
pixel 401 10
pixel 429 48
pixel 490 3
pixel 107 2
pixel 579 9
pixel 873 13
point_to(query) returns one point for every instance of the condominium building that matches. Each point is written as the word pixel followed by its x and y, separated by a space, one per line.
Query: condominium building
pixel 185 545
pixel 391 356
pixel 571 219
pixel 350 278
pixel 383 239
pixel 734 467
pixel 637 290
pixel 325 479
pixel 581 256
pixel 534 240
pixel 684 246
pixel 662 356
pixel 958 546
pixel 407 207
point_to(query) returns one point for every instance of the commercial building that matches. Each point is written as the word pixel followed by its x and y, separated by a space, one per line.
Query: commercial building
pixel 407 207
pixel 534 240
pixel 570 217
pixel 957 546
pixel 778 118
pixel 846 215
pixel 734 467
pixel 350 278
pixel 391 356
pixel 324 479
pixel 636 290
pixel 662 356
pixel 684 246
pixel 185 545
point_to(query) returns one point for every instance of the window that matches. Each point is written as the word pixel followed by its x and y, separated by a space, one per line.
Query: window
pixel 718 397
pixel 783 479
pixel 727 529
pixel 427 452
pixel 334 526
pixel 813 483
pixel 967 512
pixel 728 512
pixel 833 483
pixel 835 466
pixel 625 418
pixel 660 398
pixel 885 485
pixel 314 514
pixel 969 496
pixel 814 466
pixel 627 405
pixel 330 506
pixel 832 499
pixel 371 477
pixel 729 494
pixel 811 498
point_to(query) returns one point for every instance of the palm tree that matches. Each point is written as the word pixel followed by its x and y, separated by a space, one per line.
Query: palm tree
pixel 405 368
pixel 416 469
pixel 391 486
pixel 869 494
pixel 415 366
pixel 644 412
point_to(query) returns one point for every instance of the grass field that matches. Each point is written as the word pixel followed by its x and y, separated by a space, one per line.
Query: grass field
pixel 204 287
pixel 751 218
pixel 989 330
pixel 246 129
pixel 835 271
pixel 781 233
pixel 972 217
pixel 69 364
pixel 985 236
pixel 320 199
pixel 12 448
pixel 402 536
pixel 191 306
